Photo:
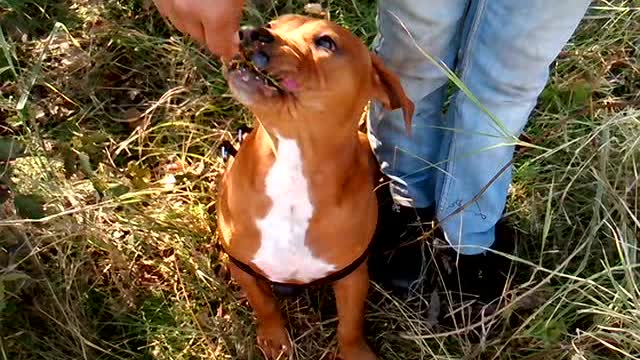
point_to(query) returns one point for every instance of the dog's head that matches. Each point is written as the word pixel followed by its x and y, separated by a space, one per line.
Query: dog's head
pixel 300 65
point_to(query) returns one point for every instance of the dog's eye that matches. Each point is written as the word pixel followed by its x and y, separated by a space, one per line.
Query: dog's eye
pixel 326 42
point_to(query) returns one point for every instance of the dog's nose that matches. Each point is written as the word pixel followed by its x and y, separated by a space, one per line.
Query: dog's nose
pixel 249 34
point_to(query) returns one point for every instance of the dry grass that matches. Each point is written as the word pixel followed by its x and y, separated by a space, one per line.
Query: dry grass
pixel 106 244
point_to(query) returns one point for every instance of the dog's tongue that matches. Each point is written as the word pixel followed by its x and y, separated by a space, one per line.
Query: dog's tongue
pixel 289 84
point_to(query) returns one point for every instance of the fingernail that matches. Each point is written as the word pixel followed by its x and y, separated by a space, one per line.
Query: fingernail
pixel 236 38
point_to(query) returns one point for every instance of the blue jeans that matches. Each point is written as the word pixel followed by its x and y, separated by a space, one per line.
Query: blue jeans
pixel 501 50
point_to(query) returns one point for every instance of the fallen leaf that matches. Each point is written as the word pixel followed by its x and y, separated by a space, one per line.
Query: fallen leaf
pixel 29 206
pixel 10 149
pixel 314 9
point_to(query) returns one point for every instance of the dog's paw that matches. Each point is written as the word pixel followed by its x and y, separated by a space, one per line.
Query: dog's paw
pixel 274 342
pixel 361 351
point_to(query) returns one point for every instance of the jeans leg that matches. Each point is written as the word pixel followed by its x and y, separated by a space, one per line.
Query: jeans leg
pixel 507 50
pixel 435 26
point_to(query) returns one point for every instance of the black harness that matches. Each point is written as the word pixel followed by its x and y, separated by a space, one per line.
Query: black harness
pixel 228 149
pixel 333 277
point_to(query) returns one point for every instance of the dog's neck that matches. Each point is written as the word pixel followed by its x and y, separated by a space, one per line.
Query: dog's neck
pixel 271 137
pixel 322 150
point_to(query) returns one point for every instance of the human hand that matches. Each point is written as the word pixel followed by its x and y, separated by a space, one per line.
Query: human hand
pixel 211 22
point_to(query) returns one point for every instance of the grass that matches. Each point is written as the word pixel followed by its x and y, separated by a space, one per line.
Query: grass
pixel 109 123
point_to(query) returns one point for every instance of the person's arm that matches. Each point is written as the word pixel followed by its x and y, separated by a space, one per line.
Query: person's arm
pixel 211 22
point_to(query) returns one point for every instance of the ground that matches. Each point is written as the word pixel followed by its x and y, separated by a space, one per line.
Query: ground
pixel 109 126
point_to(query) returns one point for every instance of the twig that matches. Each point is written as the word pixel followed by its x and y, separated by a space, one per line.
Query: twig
pixel 465 205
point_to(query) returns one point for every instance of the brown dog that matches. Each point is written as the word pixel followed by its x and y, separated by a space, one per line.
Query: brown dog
pixel 297 204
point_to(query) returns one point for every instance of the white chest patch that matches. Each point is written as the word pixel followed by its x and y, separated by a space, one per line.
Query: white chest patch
pixel 283 254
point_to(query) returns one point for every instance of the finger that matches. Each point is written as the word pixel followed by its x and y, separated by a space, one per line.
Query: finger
pixel 226 46
pixel 222 35
pixel 181 16
pixel 195 30
pixel 162 6
pixel 165 8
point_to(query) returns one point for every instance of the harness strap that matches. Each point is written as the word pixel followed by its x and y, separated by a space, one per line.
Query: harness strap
pixel 227 148
pixel 333 277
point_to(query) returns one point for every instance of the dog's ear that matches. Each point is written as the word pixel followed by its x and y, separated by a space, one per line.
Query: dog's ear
pixel 388 90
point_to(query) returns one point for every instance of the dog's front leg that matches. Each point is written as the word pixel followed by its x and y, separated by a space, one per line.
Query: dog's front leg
pixel 351 295
pixel 272 335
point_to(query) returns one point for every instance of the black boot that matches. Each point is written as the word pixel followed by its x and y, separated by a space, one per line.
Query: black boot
pixel 399 255
pixel 481 277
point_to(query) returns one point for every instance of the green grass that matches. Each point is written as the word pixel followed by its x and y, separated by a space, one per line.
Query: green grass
pixel 109 123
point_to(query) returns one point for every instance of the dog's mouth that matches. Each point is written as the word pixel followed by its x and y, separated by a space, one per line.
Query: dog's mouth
pixel 248 74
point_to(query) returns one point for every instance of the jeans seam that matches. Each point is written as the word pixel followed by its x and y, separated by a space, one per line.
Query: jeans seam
pixel 377 42
pixel 464 66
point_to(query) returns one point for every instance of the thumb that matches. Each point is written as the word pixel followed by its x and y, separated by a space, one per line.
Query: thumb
pixel 224 45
